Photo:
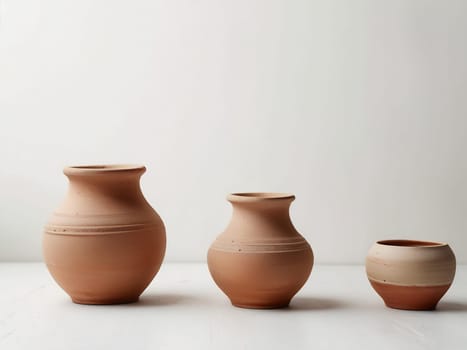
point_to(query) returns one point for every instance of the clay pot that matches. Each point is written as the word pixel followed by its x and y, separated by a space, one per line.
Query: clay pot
pixel 410 275
pixel 104 244
pixel 260 260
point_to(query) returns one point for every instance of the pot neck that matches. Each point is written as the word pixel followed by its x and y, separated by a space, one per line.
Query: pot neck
pixel 261 218
pixel 109 180
pixel 261 206
pixel 261 201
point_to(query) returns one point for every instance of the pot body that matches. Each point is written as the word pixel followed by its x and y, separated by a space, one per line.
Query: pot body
pixel 260 260
pixel 410 275
pixel 104 244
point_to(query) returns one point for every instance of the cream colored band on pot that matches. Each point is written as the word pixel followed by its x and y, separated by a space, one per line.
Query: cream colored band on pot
pixel 424 265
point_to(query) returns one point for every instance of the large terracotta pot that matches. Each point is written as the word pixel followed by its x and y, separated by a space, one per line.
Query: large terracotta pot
pixel 260 261
pixel 410 275
pixel 104 244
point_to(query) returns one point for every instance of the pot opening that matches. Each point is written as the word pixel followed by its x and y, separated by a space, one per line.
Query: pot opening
pixel 251 196
pixel 100 168
pixel 410 243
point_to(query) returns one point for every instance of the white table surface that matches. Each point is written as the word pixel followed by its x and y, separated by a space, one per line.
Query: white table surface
pixel 184 309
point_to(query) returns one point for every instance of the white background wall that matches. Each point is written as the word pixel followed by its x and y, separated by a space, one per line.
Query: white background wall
pixel 357 107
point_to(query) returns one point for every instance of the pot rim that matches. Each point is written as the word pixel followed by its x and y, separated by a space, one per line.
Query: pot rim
pixel 410 243
pixel 89 169
pixel 259 196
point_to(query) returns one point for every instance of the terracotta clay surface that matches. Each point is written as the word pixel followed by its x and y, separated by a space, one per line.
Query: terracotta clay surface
pixel 104 244
pixel 260 260
pixel 410 297
pixel 411 275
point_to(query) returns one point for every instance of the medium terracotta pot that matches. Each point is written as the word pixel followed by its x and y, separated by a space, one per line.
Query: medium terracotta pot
pixel 104 244
pixel 260 260
pixel 410 275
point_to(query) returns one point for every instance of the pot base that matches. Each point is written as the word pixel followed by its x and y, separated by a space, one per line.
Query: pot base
pixel 409 297
pixel 261 306
pixel 105 301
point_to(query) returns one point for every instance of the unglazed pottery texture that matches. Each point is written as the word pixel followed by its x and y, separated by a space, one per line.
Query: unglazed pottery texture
pixel 260 260
pixel 104 244
pixel 411 275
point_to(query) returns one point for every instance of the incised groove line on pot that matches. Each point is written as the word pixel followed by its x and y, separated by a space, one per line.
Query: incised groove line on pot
pixel 101 230
pixel 262 247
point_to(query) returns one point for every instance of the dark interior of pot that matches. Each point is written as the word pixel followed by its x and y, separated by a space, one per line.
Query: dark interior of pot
pixel 107 167
pixel 410 243
pixel 92 167
pixel 265 195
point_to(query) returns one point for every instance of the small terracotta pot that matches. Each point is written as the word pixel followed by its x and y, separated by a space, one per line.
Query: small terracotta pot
pixel 410 275
pixel 260 261
pixel 104 244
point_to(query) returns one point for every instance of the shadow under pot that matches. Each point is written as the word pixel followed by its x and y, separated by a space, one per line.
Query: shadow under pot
pixel 104 244
pixel 410 275
pixel 260 260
